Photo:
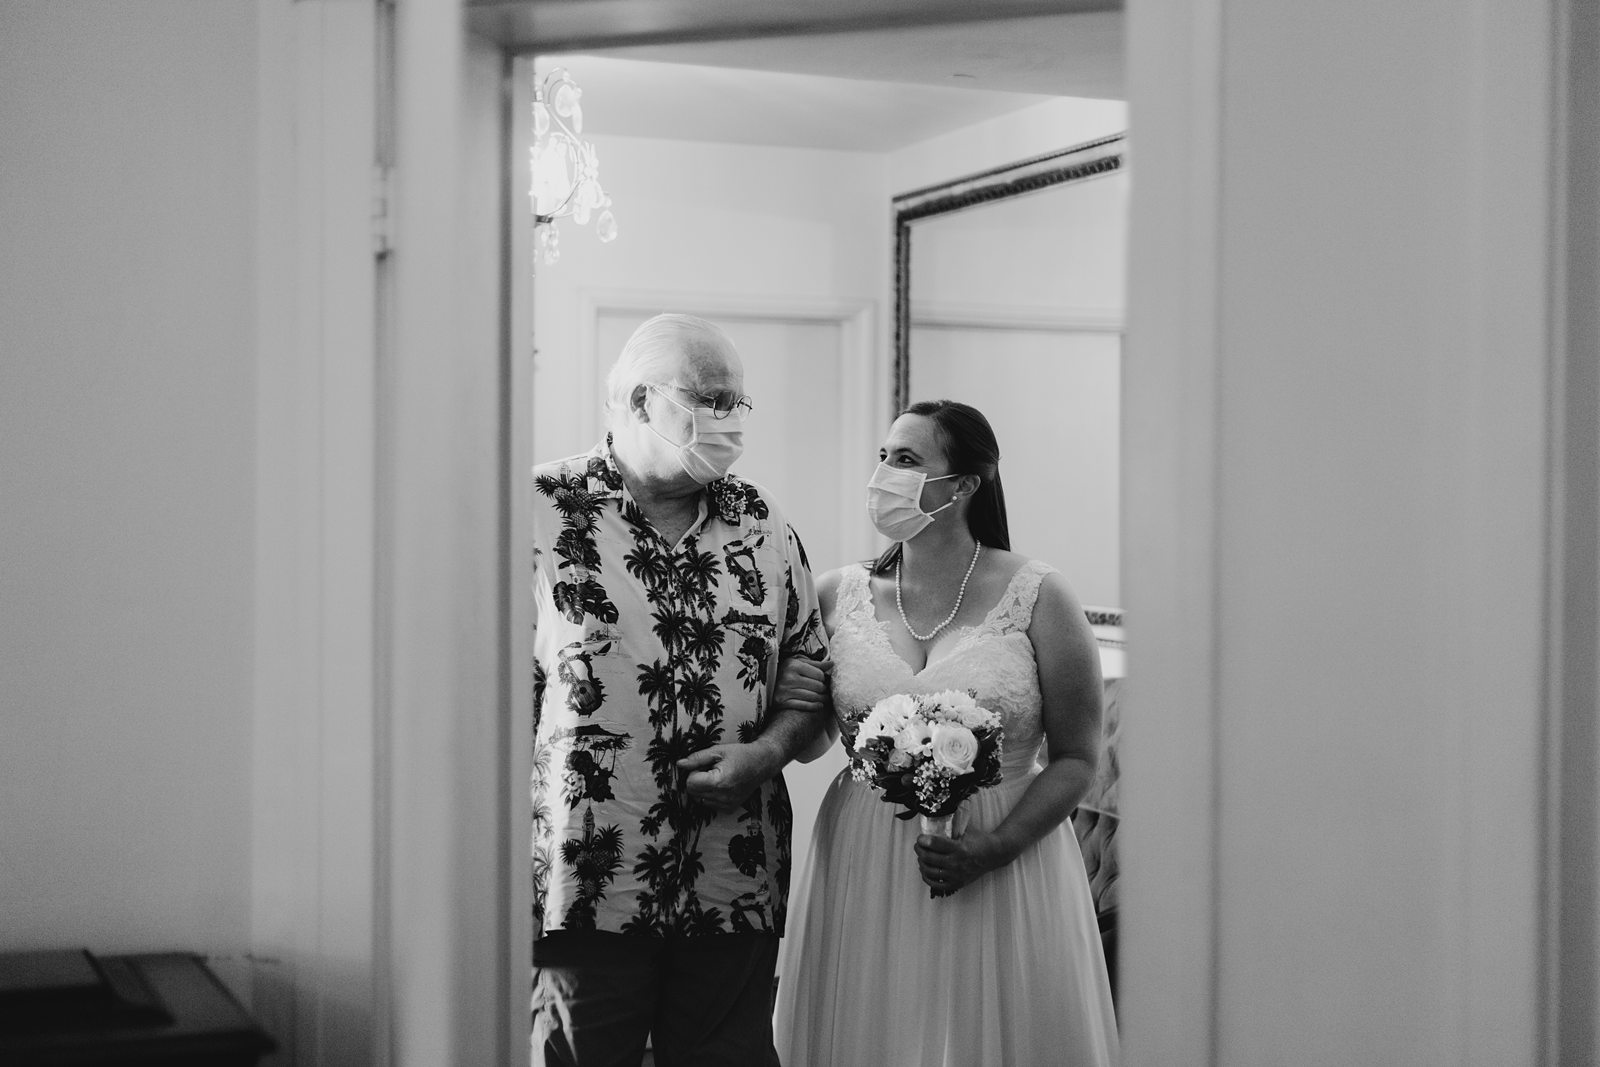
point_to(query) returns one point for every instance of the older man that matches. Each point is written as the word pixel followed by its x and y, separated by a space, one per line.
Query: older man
pixel 680 663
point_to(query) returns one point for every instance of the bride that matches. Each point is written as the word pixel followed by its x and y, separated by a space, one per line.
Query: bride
pixel 1007 969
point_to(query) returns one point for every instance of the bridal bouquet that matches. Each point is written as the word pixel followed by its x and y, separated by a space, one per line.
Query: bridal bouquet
pixel 928 752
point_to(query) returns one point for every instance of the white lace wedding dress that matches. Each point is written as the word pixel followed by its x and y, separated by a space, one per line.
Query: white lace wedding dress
pixel 1007 972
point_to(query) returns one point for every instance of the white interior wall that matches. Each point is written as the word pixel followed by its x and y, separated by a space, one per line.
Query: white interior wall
pixel 127 491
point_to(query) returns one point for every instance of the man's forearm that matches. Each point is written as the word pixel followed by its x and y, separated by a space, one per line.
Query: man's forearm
pixel 787 734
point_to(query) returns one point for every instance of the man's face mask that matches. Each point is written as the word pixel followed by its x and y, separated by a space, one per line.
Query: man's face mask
pixel 715 442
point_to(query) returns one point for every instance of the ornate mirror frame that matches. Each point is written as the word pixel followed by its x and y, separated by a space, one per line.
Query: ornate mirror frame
pixel 1087 160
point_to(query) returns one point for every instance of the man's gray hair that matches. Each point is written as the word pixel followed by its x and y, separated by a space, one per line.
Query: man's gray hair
pixel 657 354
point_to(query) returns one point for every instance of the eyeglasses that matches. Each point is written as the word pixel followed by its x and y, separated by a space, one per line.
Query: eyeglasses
pixel 722 405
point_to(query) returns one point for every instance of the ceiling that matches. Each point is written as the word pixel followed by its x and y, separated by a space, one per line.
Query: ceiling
pixel 868 90
pixel 528 26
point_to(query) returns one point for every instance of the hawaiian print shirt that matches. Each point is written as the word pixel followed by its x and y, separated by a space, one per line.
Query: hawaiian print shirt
pixel 644 653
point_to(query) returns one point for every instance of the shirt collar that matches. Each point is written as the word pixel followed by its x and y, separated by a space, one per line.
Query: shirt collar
pixel 604 479
pixel 730 496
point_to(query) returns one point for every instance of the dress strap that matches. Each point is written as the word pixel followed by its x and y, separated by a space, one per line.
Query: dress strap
pixel 1015 608
pixel 855 594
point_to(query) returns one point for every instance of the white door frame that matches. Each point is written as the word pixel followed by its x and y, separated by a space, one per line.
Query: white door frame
pixel 315 789
pixel 1570 868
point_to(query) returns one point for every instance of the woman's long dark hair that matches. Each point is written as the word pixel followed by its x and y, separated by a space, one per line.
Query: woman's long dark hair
pixel 971 448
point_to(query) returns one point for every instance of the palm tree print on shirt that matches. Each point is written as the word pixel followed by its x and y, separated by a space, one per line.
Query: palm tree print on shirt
pixel 591 750
pixel 595 858
pixel 685 713
pixel 648 652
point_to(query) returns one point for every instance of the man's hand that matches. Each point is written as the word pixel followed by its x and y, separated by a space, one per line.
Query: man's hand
pixel 724 776
pixel 802 684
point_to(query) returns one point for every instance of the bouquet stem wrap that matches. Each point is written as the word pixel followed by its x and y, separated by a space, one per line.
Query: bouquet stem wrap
pixel 951 826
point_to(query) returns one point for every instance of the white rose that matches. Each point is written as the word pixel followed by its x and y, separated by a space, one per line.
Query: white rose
pixel 954 747
pixel 976 718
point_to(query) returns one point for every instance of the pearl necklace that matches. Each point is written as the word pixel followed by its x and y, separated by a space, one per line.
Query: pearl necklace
pixel 977 547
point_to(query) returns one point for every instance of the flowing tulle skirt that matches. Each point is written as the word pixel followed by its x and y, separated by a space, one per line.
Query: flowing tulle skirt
pixel 1008 972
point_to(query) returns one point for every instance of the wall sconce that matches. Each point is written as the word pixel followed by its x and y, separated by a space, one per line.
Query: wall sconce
pixel 566 174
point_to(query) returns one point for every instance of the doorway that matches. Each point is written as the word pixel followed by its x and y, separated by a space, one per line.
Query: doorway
pixel 753 182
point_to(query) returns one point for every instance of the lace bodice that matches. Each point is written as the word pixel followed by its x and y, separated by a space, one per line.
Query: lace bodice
pixel 993 658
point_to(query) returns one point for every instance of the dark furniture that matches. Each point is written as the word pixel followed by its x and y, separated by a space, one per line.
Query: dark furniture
pixel 70 1008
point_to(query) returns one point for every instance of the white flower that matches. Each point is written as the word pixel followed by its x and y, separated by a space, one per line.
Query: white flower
pixel 873 726
pixel 955 701
pixel 954 747
pixel 897 709
pixel 976 718
pixel 956 705
pixel 885 719
pixel 914 737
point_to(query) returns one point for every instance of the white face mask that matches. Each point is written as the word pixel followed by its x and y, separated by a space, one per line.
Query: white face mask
pixel 714 444
pixel 894 501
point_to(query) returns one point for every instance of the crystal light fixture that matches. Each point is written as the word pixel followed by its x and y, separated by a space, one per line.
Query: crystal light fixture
pixel 566 175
